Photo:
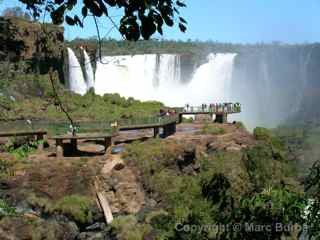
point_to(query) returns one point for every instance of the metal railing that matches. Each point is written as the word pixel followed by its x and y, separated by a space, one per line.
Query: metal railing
pixel 147 121
pixel 59 128
pixel 213 108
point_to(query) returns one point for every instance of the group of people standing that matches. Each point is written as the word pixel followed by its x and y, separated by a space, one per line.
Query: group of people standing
pixel 214 107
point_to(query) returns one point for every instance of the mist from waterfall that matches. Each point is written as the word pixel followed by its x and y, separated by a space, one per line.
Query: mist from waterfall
pixel 269 85
pixel 76 81
pixel 153 77
pixel 89 75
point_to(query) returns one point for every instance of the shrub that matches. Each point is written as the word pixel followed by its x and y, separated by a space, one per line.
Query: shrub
pixel 240 125
pixel 266 135
pixel 128 228
pixel 6 168
pixel 22 151
pixel 76 207
pixel 6 210
pixel 270 207
pixel 210 129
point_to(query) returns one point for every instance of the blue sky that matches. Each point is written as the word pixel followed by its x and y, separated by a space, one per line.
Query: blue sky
pixel 240 21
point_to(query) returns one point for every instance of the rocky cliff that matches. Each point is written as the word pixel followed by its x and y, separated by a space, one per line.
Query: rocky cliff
pixel 38 45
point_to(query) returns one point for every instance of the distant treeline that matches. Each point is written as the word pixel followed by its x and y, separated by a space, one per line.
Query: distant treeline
pixel 116 47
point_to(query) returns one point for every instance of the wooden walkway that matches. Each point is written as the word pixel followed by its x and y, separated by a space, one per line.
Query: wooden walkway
pixel 106 131
pixel 39 135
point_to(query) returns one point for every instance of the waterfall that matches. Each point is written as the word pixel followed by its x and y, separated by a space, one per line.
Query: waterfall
pixel 269 84
pixel 130 76
pixel 76 82
pixel 88 70
pixel 134 76
pixel 212 81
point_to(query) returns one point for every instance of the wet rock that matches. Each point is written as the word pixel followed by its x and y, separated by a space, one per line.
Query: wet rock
pixel 119 166
pixel 16 228
pixel 196 167
pixel 151 203
pixel 96 226
pixel 233 147
pixel 91 236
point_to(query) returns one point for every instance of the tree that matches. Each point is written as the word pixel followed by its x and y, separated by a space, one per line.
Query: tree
pixel 15 12
pixel 141 18
pixel 312 183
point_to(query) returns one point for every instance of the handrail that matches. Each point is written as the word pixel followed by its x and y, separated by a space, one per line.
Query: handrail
pixel 110 127
pixel 212 108
pixel 56 128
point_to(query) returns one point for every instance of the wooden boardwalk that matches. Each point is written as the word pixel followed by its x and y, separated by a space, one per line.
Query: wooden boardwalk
pixel 107 130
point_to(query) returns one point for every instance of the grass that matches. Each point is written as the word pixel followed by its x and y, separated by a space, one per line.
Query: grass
pixel 6 210
pixel 266 135
pixel 240 125
pixel 128 228
pixel 211 129
pixel 76 207
pixel 6 168
pixel 90 107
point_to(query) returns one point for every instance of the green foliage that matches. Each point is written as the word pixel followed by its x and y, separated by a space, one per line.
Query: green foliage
pixel 211 129
pixel 140 18
pixel 76 207
pixel 313 189
pixel 266 135
pixel 260 165
pixel 6 168
pixel 128 228
pixel 271 207
pixel 36 102
pixel 240 125
pixel 230 187
pixel 23 150
pixel 187 120
pixel 6 210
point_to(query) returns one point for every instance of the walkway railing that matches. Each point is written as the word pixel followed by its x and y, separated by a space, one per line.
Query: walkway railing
pixel 213 108
pixel 148 121
pixel 58 128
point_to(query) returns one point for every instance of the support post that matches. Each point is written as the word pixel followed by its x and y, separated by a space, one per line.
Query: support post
pixel 40 138
pixel 174 128
pixel 155 132
pixel 165 131
pixel 74 145
pixel 221 118
pixel 107 143
pixel 59 148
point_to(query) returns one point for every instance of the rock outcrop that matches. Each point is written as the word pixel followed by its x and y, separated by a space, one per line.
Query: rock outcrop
pixel 40 46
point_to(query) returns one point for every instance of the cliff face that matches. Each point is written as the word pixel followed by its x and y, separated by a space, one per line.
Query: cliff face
pixel 40 46
pixel 24 40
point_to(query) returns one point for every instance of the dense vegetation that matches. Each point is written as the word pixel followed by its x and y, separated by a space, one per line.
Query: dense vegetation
pixel 30 96
pixel 199 49
pixel 220 190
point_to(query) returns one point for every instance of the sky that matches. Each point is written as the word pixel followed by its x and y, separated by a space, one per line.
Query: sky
pixel 237 21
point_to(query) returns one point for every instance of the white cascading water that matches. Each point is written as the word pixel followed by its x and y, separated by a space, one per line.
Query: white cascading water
pixel 269 89
pixel 134 76
pixel 130 76
pixel 89 75
pixel 212 81
pixel 76 82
